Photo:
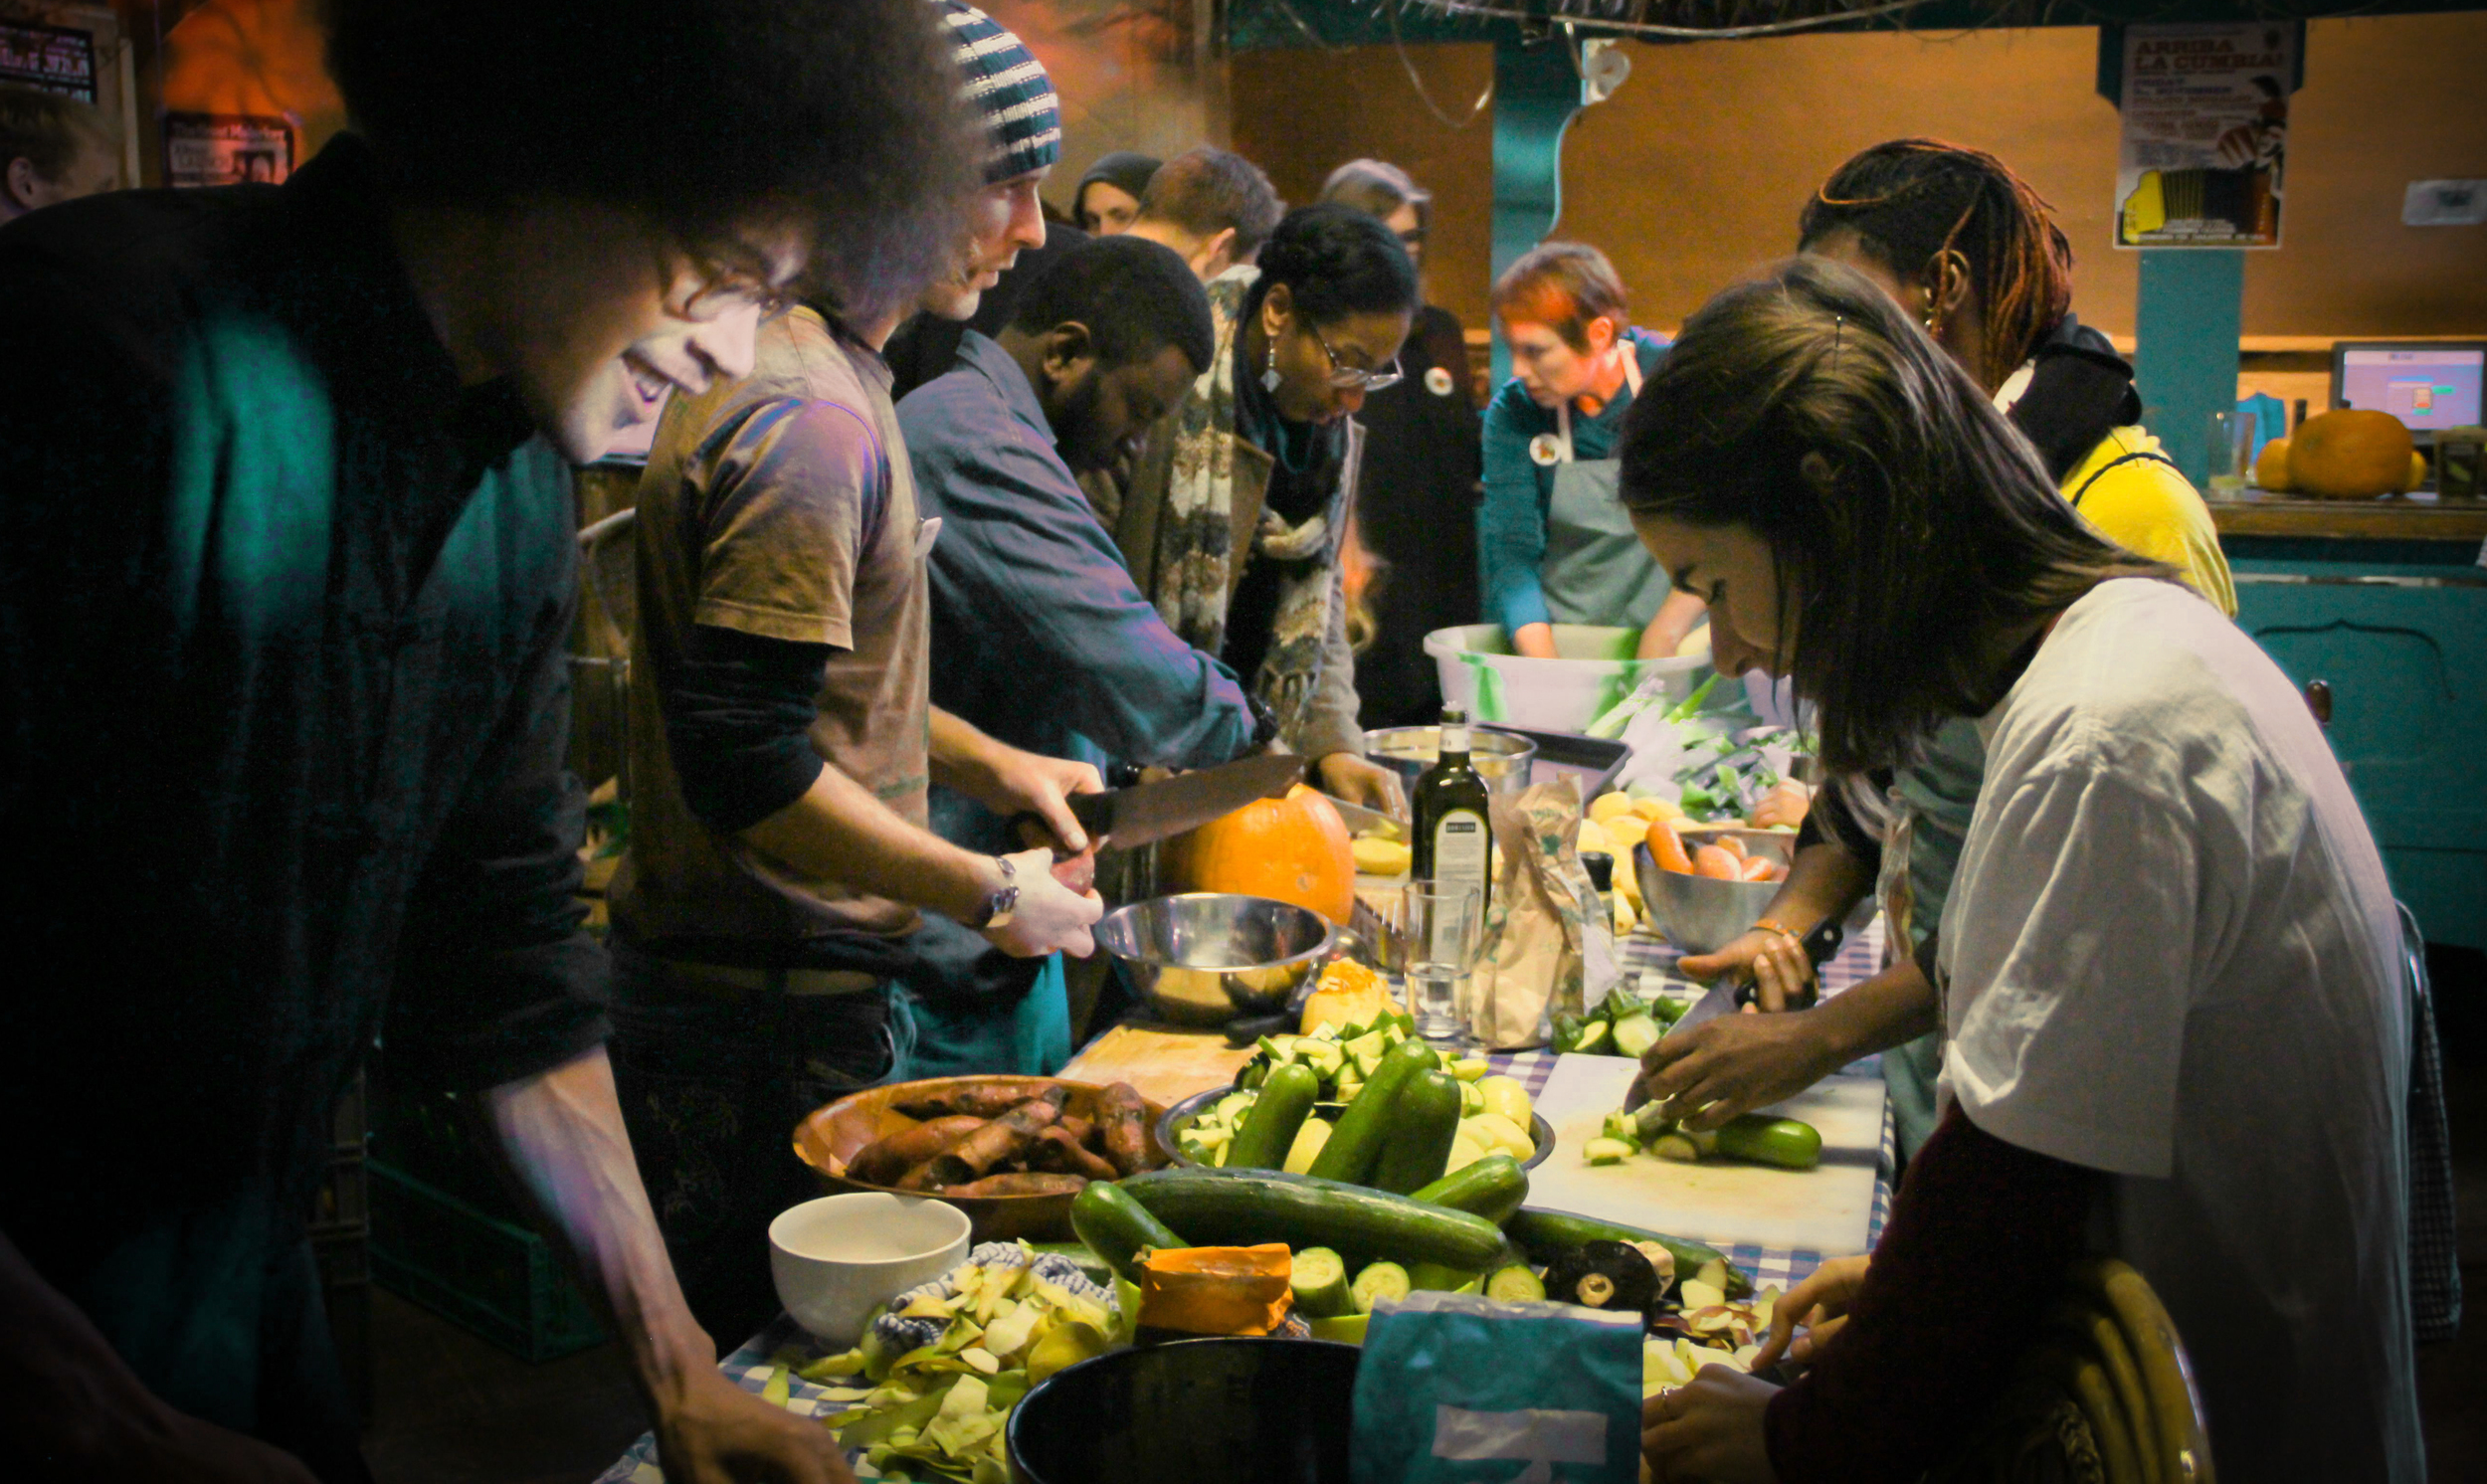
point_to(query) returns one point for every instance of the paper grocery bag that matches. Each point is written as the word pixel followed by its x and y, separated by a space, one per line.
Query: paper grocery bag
pixel 1549 941
pixel 1460 1389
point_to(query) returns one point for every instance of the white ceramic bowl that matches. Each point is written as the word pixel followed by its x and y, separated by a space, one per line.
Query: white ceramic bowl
pixel 836 1257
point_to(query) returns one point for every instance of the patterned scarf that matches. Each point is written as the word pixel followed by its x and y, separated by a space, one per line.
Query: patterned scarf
pixel 1195 532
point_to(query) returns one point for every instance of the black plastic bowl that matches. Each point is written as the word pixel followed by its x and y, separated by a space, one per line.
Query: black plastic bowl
pixel 1196 1411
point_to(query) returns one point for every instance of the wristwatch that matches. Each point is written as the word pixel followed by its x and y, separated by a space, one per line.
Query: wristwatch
pixel 1003 902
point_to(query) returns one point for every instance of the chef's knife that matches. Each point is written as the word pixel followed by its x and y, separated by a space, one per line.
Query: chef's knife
pixel 1363 821
pixel 1148 812
pixel 1728 996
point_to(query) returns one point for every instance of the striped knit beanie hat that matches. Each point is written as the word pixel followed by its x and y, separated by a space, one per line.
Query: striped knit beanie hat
pixel 1009 90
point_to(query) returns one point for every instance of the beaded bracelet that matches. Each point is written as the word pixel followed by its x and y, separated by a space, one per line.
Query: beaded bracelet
pixel 1770 925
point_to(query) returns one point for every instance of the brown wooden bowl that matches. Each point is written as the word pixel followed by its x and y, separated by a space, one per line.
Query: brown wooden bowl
pixel 830 1136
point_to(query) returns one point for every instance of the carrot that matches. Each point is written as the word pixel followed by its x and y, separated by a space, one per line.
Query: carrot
pixel 1761 868
pixel 1667 847
pixel 1711 861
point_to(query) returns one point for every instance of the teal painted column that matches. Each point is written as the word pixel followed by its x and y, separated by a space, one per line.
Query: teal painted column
pixel 2191 312
pixel 1537 91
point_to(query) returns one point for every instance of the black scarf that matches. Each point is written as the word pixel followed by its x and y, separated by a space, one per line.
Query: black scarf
pixel 2079 390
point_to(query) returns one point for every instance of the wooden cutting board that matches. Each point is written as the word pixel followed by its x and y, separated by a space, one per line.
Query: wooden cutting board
pixel 1166 1065
pixel 1824 1210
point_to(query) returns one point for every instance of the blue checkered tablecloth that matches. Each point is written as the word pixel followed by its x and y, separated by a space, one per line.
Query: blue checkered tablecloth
pixel 1646 958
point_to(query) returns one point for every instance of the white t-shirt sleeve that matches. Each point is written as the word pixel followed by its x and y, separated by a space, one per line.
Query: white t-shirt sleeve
pixel 2070 944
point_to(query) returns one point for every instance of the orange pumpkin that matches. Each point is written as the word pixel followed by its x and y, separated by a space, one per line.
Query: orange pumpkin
pixel 2350 454
pixel 1291 849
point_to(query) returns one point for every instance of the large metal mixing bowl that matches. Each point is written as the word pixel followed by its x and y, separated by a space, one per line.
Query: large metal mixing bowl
pixel 1204 957
pixel 1500 758
pixel 1702 914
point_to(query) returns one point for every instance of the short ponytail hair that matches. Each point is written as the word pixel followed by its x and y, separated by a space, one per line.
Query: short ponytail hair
pixel 1910 201
pixel 1336 261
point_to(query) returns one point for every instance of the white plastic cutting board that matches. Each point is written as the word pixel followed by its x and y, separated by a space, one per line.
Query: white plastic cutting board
pixel 1823 1209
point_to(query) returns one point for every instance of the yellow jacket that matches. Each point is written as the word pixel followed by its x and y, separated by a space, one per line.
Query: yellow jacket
pixel 2144 505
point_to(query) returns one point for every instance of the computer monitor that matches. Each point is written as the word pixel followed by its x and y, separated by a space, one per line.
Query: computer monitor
pixel 2427 384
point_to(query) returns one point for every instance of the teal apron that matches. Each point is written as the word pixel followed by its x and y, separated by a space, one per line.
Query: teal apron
pixel 974 1010
pixel 1595 570
pixel 1932 803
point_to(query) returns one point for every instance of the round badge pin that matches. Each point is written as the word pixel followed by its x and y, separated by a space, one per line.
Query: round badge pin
pixel 1545 451
pixel 1438 380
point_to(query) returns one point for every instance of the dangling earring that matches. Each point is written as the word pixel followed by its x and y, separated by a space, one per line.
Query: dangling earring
pixel 1269 379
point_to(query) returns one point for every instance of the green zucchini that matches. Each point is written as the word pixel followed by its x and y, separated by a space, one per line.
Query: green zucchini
pixel 1516 1284
pixel 1099 1271
pixel 1763 1140
pixel 1424 1122
pixel 1319 1278
pixel 1592 1041
pixel 1636 1034
pixel 1546 1234
pixel 1239 1208
pixel 1267 1130
pixel 1606 1150
pixel 1117 1227
pixel 1432 1275
pixel 1378 1281
pixel 1356 1143
pixel 1492 1188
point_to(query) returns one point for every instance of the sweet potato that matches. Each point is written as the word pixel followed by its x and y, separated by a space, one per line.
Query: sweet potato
pixel 1020 1184
pixel 887 1158
pixel 1004 1141
pixel 1761 868
pixel 1123 1120
pixel 1082 1129
pixel 1667 847
pixel 981 1100
pixel 1710 861
pixel 1057 1150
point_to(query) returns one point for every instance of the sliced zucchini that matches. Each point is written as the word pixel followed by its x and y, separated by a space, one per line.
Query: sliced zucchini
pixel 1606 1150
pixel 1516 1284
pixel 1636 1033
pixel 1319 1278
pixel 1378 1281
pixel 1593 1039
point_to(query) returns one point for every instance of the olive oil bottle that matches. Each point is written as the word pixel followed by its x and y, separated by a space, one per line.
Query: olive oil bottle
pixel 1454 836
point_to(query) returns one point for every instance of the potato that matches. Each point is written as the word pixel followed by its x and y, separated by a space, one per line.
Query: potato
pixel 1464 1152
pixel 1506 1096
pixel 1593 841
pixel 1376 857
pixel 1626 832
pixel 1607 806
pixel 1511 1138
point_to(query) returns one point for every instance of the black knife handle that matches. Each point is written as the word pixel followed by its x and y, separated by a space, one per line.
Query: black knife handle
pixel 1819 945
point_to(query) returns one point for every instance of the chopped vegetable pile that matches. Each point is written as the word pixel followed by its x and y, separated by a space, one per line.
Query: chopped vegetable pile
pixel 944 1364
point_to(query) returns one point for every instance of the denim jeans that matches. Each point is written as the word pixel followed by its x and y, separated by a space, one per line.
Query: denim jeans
pixel 711 1089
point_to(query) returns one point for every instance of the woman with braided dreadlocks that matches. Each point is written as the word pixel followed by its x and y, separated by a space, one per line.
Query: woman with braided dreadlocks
pixel 1968 250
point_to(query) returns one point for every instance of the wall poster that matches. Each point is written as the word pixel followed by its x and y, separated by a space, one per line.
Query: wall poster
pixel 216 149
pixel 52 58
pixel 2205 135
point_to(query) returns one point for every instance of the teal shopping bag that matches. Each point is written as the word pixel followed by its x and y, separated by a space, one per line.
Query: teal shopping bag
pixel 1457 1389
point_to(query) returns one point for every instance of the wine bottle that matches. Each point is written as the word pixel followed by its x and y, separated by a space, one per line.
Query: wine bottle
pixel 1454 836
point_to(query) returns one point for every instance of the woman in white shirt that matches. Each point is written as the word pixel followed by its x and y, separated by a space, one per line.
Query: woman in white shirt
pixel 2175 1024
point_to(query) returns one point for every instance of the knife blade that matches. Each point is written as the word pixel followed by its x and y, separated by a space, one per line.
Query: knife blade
pixel 1732 995
pixel 1363 821
pixel 1149 811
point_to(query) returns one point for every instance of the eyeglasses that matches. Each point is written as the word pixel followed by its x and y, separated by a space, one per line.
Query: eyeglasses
pixel 1349 378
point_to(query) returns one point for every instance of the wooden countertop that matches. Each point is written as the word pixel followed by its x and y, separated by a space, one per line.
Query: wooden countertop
pixel 2390 518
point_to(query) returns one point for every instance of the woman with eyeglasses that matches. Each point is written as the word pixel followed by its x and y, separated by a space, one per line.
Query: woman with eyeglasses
pixel 1553 542
pixel 1237 511
pixel 1415 507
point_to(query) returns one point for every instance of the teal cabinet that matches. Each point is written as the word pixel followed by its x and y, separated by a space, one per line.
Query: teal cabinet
pixel 2403 648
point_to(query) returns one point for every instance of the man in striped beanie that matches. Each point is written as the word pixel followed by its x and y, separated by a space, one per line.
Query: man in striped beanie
pixel 1007 90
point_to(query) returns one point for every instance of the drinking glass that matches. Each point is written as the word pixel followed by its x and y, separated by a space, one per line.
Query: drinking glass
pixel 1433 948
pixel 2230 437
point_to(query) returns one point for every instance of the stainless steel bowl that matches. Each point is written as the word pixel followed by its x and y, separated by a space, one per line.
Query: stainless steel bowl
pixel 1501 757
pixel 1204 957
pixel 1702 914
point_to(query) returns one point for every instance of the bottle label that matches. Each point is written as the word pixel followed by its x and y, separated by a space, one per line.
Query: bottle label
pixel 1463 857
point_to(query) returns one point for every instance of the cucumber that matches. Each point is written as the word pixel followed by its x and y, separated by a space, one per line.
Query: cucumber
pixel 1319 1279
pixel 1606 1150
pixel 1516 1284
pixel 1356 1143
pixel 1636 1034
pixel 1099 1271
pixel 1424 1121
pixel 1492 1188
pixel 1763 1140
pixel 1434 1275
pixel 1117 1227
pixel 1592 1041
pixel 1268 1129
pixel 1547 1235
pixel 1347 1329
pixel 1239 1208
pixel 1378 1281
